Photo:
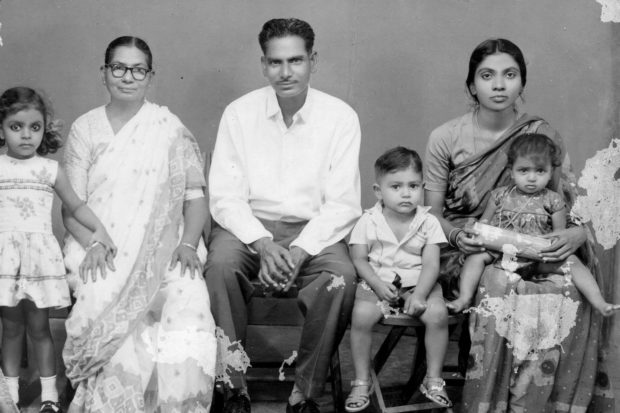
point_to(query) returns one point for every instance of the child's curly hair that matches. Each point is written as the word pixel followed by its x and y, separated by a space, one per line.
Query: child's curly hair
pixel 537 146
pixel 20 98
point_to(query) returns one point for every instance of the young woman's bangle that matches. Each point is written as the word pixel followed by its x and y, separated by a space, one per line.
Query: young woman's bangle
pixel 453 236
pixel 188 245
pixel 456 240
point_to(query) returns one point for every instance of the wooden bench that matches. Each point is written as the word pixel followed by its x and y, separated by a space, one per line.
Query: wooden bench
pixel 409 394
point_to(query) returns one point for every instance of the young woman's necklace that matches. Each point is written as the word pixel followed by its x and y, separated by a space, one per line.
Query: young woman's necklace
pixel 488 137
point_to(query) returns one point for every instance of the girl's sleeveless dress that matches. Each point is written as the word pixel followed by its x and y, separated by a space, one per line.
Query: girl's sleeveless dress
pixel 31 263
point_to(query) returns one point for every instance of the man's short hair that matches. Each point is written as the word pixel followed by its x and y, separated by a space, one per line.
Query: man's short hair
pixel 276 28
pixel 397 159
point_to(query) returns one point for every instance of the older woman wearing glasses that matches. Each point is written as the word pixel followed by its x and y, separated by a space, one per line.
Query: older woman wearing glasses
pixel 141 335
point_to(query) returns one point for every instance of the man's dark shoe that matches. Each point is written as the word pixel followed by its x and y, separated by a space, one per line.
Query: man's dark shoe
pixel 237 403
pixel 307 406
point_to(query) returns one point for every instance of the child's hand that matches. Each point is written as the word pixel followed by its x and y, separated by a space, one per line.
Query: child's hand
pixel 385 291
pixel 414 305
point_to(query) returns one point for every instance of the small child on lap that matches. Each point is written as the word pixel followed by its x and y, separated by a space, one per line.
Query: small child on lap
pixel 528 207
pixel 398 236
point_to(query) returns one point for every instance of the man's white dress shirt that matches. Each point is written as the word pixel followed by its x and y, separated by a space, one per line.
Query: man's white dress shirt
pixel 307 172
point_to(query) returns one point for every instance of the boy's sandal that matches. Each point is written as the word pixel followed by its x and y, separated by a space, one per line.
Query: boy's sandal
pixel 434 389
pixel 358 399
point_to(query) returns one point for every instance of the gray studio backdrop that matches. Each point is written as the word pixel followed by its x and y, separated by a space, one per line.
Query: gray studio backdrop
pixel 400 64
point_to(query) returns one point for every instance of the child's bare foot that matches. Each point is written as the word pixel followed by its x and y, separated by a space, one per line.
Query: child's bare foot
pixel 606 309
pixel 457 305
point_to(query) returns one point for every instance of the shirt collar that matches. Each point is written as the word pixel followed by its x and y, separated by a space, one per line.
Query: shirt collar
pixel 273 109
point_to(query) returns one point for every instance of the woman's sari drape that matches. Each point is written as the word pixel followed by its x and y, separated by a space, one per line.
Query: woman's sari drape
pixel 142 339
pixel 536 344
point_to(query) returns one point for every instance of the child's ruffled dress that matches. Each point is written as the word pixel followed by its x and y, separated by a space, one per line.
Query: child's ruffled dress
pixel 31 263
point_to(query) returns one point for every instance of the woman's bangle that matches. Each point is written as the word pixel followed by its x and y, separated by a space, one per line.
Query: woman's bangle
pixel 453 236
pixel 188 245
pixel 456 240
pixel 94 244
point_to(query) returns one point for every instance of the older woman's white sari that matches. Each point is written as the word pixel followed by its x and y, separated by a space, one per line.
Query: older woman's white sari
pixel 142 339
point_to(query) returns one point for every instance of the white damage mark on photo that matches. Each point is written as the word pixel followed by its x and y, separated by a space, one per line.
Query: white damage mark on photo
pixel 509 258
pixel 601 180
pixel 610 10
pixel 230 356
pixel 337 281
pixel 172 347
pixel 530 323
pixel 286 362
pixel 387 310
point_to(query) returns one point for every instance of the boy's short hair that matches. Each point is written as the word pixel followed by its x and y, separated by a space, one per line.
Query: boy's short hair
pixel 397 159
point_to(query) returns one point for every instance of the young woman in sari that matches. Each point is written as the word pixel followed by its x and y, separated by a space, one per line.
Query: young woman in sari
pixel 140 337
pixel 536 344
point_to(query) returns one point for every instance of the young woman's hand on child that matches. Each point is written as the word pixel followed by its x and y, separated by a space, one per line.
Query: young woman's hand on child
pixel 564 243
pixel 185 254
pixel 414 305
pixel 465 240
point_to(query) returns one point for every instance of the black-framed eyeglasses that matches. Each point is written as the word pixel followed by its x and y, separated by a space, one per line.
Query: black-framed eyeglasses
pixel 118 71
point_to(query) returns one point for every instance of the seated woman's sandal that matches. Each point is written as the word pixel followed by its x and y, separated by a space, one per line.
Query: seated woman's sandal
pixel 359 398
pixel 434 388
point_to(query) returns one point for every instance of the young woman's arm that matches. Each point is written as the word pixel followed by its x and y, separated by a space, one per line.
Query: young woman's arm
pixel 558 220
pixel 436 201
pixel 488 213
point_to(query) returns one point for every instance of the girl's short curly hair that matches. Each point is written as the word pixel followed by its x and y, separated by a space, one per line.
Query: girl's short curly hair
pixel 536 146
pixel 20 98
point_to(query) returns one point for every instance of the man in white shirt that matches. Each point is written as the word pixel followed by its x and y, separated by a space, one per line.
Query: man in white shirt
pixel 284 191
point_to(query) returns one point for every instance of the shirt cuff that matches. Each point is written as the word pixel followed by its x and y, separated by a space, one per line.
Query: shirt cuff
pixel 309 248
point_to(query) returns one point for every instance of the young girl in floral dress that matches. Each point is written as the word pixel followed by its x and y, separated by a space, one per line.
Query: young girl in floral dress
pixel 32 272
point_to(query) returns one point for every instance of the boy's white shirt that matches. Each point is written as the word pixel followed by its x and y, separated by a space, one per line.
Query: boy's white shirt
pixel 388 256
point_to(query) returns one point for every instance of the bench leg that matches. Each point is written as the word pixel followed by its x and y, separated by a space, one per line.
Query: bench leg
pixel 418 370
pixel 388 345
